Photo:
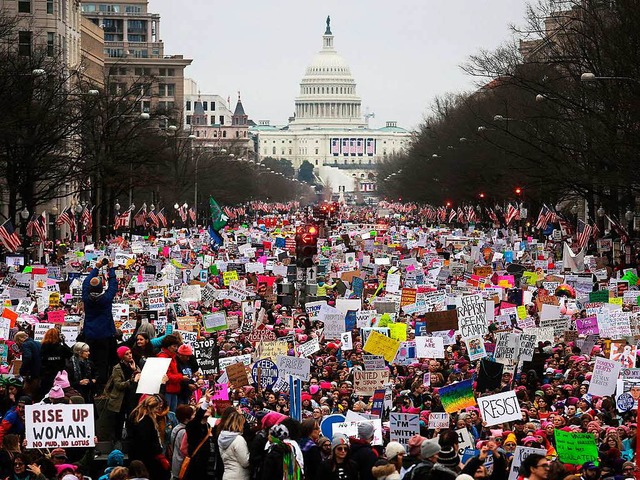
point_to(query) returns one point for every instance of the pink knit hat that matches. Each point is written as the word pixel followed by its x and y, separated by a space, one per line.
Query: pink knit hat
pixel 56 392
pixel 121 351
pixel 62 379
pixel 271 419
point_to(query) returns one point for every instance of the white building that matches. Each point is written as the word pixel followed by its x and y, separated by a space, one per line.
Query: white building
pixel 216 108
pixel 328 129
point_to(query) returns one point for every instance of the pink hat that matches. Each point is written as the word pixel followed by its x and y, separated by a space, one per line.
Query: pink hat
pixel 65 466
pixel 529 439
pixel 271 419
pixel 185 349
pixel 414 444
pixel 56 392
pixel 62 379
pixel 313 389
pixel 122 351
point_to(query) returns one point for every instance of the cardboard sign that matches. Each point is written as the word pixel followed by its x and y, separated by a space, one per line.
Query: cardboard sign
pixel 429 347
pixel 500 408
pixel 309 348
pixel 457 396
pixel 445 320
pixel 575 448
pixel 151 376
pixel 403 426
pixel 59 426
pixel 373 362
pixel 465 440
pixel 366 382
pixel 237 374
pixel 605 376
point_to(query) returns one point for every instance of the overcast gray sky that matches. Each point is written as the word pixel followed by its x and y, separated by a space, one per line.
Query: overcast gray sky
pixel 402 53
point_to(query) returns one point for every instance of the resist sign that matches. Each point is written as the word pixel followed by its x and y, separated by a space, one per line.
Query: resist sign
pixel 59 426
pixel 500 408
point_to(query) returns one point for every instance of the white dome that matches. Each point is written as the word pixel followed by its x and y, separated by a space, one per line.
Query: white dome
pixel 328 62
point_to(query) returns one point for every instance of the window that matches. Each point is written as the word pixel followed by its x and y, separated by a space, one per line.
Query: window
pixel 137 38
pixel 317 150
pixel 137 26
pixel 221 120
pixel 110 8
pixel 290 151
pixel 237 134
pixel 24 43
pixel 188 119
pixel 273 151
pixel 142 72
pixel 90 7
pixel 166 72
pixel 213 119
pixel 132 9
pixel 213 106
pixel 113 52
pixel 24 6
pixel 188 107
pixel 139 53
pixel 167 89
pixel 224 134
pixel 146 106
pixel 50 7
pixel 205 106
pixel 50 39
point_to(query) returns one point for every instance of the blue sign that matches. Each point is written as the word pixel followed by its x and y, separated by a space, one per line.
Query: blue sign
pixel 326 426
pixel 268 375
pixel 350 320
pixel 357 285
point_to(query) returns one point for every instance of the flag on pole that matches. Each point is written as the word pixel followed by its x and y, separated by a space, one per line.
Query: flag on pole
pixel 87 217
pixel 67 217
pixel 9 236
pixel 162 218
pixel 584 233
pixel 37 226
pixel 452 215
pixel 153 218
pixel 513 213
pixel 123 220
pixel 192 214
pixel 218 218
pixel 140 218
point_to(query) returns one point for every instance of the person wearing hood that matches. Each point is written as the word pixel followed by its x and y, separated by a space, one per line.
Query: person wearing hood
pixel 362 452
pixel 98 329
pixel 259 443
pixel 114 459
pixel 233 448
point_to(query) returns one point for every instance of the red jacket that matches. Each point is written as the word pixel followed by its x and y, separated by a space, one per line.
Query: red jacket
pixel 175 377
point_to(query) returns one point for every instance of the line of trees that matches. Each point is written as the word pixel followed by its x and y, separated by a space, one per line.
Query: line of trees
pixel 62 136
pixel 536 122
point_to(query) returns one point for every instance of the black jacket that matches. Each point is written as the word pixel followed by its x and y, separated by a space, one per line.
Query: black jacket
pixel 327 471
pixel 364 455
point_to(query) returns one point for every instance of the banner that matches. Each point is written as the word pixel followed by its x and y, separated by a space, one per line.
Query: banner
pixel 59 426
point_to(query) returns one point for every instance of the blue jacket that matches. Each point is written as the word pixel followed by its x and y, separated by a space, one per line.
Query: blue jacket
pixel 98 319
pixel 31 361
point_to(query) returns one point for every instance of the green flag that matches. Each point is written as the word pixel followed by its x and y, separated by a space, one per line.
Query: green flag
pixel 218 219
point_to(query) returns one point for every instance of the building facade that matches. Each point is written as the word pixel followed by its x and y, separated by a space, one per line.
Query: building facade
pixel 216 109
pixel 134 56
pixel 328 129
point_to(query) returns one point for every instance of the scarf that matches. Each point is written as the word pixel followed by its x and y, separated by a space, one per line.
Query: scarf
pixel 290 467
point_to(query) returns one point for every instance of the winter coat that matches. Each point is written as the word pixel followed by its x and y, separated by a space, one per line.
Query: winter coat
pixel 235 456
pixel 174 383
pixel 98 319
pixel 31 362
pixel 499 467
pixel 54 357
pixel 145 446
pixel 326 471
pixel 204 464
pixel 385 472
pixel 440 472
pixel 120 388
pixel 175 440
pixel 421 471
pixel 312 458
pixel 365 457
pixel 78 370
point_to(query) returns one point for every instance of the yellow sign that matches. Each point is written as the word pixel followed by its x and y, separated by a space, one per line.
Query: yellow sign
pixel 616 300
pixel 531 277
pixel 398 331
pixel 379 344
pixel 54 299
pixel 272 349
pixel 227 277
pixel 522 312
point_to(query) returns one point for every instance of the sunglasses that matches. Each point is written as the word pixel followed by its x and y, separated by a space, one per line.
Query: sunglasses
pixel 341 449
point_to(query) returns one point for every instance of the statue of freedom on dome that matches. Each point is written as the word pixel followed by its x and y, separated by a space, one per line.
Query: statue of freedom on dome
pixel 328 30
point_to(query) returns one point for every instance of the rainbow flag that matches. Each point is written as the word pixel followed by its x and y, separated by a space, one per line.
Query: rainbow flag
pixel 457 396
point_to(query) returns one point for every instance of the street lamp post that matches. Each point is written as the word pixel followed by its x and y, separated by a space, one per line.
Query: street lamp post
pixel 24 216
pixel 78 211
pixel 116 207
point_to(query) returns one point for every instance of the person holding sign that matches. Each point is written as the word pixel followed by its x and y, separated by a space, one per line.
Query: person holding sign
pixel 99 331
pixel 170 345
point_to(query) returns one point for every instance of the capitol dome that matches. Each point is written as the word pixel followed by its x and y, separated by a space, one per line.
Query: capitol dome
pixel 327 97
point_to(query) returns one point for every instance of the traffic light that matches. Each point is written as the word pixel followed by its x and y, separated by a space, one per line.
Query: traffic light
pixel 306 245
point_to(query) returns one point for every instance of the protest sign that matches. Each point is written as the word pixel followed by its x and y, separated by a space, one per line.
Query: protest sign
pixel 500 408
pixel 587 326
pixel 237 374
pixel 205 356
pixel 373 362
pixel 265 373
pixel 465 440
pixel 439 420
pixel 226 361
pixel 347 341
pixel 457 396
pixel 475 347
pixel 333 326
pixel 506 347
pixel 445 320
pixel 605 375
pixel 309 348
pixel 471 315
pixel 365 382
pixel 526 347
pixel 378 344
pixel 403 426
pixel 215 321
pixel 429 347
pixel 575 448
pixel 519 455
pixel 298 367
pixel 151 376
pixel 313 309
pixel 59 426
pixel 220 391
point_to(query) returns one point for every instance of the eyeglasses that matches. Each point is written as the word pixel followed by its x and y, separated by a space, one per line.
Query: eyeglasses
pixel 341 449
pixel 543 465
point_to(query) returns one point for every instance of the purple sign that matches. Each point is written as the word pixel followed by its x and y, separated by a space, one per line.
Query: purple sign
pixel 587 326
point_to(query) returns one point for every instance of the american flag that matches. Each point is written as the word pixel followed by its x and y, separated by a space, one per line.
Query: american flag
pixel 471 214
pixel 229 212
pixel 192 214
pixel 452 215
pixel 87 217
pixel 545 217
pixel 584 233
pixel 122 220
pixel 140 218
pixel 371 146
pixel 619 229
pixel 442 213
pixel 9 236
pixel 513 213
pixel 183 214
pixel 162 218
pixel 493 215
pixel 153 218
pixel 335 146
pixel 67 217
pixel 37 226
pixel 461 216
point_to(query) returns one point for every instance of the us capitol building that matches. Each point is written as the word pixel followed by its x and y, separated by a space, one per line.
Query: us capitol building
pixel 328 129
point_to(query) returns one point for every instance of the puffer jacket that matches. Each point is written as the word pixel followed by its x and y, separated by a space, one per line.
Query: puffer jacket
pixel 235 456
pixel 98 319
pixel 385 472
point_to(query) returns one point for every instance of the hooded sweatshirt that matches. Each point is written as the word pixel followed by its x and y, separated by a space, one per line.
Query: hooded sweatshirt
pixel 235 456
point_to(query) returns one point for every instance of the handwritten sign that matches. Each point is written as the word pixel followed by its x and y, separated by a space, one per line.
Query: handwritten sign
pixel 575 448
pixel 366 382
pixel 500 408
pixel 403 426
pixel 605 377
pixel 298 367
pixel 519 455
pixel 59 426
pixel 379 344
pixel 429 347
pixel 472 315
